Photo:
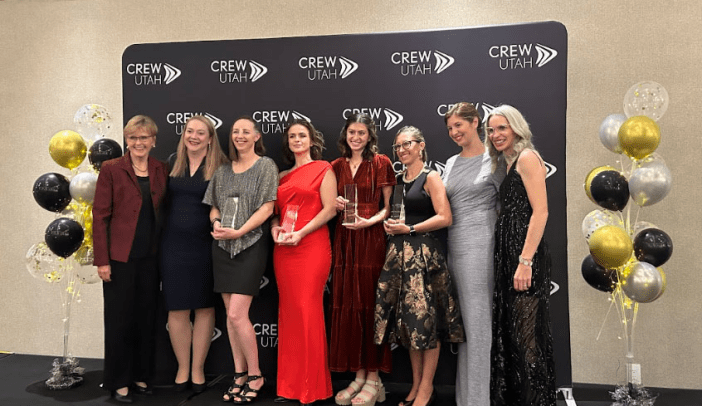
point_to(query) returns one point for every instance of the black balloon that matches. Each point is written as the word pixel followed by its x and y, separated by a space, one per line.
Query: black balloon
pixel 52 191
pixel 653 245
pixel 610 190
pixel 64 236
pixel 598 277
pixel 102 150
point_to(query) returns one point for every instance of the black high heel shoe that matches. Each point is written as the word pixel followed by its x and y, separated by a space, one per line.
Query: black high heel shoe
pixel 122 398
pixel 181 387
pixel 200 387
pixel 230 394
pixel 244 396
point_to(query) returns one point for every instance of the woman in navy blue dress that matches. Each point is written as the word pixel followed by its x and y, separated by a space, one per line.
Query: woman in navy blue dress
pixel 186 257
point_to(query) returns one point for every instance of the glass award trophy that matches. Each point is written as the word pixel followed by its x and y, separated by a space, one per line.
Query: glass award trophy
pixel 351 206
pixel 288 223
pixel 229 212
pixel 397 208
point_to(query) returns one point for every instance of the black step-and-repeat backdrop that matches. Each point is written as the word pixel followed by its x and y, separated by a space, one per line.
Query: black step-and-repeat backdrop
pixel 406 78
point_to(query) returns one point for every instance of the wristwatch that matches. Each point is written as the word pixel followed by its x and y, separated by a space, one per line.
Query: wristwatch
pixel 412 232
pixel 524 261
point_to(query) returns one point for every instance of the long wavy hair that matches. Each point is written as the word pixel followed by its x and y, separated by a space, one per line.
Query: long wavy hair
pixel 259 148
pixel 214 158
pixel 371 147
pixel 520 127
pixel 316 141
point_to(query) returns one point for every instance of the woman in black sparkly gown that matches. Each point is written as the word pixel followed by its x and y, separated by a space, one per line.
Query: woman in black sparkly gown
pixel 522 368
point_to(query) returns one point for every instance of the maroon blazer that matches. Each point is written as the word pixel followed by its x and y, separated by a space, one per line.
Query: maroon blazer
pixel 117 205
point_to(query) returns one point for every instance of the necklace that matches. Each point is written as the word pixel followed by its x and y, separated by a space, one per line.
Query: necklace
pixel 404 176
pixel 139 169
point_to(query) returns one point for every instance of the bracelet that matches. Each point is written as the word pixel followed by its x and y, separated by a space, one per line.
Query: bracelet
pixel 524 261
pixel 213 221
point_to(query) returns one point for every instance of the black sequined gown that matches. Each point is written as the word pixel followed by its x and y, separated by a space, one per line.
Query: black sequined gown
pixel 522 368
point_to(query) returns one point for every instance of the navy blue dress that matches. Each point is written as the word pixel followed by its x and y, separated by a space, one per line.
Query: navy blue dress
pixel 186 245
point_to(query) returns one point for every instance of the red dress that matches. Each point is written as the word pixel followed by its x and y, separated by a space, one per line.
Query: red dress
pixel 358 258
pixel 301 272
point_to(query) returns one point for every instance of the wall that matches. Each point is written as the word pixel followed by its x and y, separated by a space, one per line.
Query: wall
pixel 59 55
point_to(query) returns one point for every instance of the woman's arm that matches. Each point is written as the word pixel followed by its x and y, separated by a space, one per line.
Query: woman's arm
pixel 377 217
pixel 327 192
pixel 102 215
pixel 533 172
pixel 436 190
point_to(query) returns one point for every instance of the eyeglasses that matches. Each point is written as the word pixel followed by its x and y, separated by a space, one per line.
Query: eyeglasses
pixel 500 128
pixel 134 139
pixel 404 145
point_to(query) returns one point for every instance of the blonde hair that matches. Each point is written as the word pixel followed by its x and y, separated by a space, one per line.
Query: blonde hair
pixel 214 158
pixel 520 127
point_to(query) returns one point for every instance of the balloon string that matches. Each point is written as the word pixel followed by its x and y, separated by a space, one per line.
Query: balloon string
pixel 611 303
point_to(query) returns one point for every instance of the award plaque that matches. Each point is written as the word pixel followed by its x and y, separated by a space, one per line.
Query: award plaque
pixel 288 222
pixel 351 206
pixel 229 212
pixel 397 208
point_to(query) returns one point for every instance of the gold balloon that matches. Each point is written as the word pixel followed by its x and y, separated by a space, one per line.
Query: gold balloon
pixel 67 148
pixel 639 136
pixel 611 246
pixel 590 176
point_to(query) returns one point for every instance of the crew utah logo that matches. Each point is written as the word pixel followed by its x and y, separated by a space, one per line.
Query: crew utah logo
pixel 152 73
pixel 238 70
pixel 327 67
pixel 273 121
pixel 522 56
pixel 414 63
pixel 385 119
pixel 483 108
pixel 178 119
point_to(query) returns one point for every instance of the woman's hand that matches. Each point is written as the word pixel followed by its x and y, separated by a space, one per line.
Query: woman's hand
pixel 275 232
pixel 522 278
pixel 395 227
pixel 340 203
pixel 224 233
pixel 104 272
pixel 359 224
pixel 293 238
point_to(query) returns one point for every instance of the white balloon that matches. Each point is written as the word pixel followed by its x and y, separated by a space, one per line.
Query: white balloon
pixel 609 132
pixel 82 187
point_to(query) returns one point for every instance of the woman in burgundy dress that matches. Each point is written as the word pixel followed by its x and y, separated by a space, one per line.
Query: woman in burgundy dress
pixel 358 257
pixel 302 259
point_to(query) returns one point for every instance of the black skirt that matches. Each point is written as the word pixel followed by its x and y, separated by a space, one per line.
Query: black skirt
pixel 241 274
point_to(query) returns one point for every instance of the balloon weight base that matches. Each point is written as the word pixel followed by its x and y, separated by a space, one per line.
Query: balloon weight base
pixel 632 395
pixel 65 375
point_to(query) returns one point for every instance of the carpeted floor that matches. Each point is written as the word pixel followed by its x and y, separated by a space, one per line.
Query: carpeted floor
pixel 22 384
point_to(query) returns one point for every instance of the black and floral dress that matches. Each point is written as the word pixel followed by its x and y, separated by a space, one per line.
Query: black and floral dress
pixel 416 303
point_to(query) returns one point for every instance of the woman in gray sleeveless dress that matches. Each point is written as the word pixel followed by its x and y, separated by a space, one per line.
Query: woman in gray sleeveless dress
pixel 472 191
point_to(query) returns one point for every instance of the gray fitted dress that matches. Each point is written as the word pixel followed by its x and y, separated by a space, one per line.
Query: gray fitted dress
pixel 472 190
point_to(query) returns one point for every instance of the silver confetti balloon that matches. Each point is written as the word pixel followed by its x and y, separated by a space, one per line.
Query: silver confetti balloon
pixel 609 132
pixel 93 121
pixel 646 98
pixel 650 183
pixel 642 282
pixel 82 187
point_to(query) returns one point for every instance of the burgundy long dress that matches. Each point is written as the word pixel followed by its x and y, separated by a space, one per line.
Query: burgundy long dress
pixel 301 272
pixel 358 258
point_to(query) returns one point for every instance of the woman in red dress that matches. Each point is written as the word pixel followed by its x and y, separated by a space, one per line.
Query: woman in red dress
pixel 358 257
pixel 302 259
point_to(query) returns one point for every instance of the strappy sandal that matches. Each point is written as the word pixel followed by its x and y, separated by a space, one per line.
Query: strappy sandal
pixel 230 393
pixel 243 396
pixel 355 386
pixel 377 391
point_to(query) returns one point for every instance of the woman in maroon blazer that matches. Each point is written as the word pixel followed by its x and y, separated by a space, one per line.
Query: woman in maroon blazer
pixel 126 213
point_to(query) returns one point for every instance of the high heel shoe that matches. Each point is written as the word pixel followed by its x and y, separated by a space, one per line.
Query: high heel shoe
pixel 245 396
pixel 406 402
pixel 229 394
pixel 377 391
pixel 355 386
pixel 122 398
pixel 199 387
pixel 181 387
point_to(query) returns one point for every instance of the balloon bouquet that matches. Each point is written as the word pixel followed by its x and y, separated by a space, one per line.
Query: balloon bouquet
pixel 66 254
pixel 625 255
